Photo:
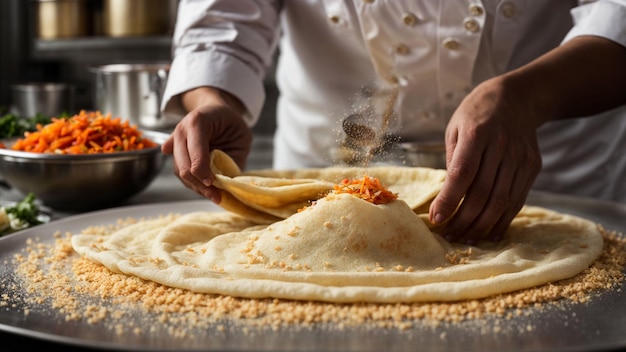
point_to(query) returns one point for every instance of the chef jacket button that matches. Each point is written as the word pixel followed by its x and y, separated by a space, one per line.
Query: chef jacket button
pixel 450 43
pixel 334 19
pixel 409 19
pixel 508 9
pixel 471 25
pixel 449 95
pixel 476 10
pixel 402 49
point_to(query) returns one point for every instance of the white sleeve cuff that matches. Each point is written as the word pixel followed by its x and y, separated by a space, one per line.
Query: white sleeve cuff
pixel 601 18
pixel 209 68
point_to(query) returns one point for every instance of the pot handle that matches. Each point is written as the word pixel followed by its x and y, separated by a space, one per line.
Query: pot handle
pixel 157 87
pixel 101 92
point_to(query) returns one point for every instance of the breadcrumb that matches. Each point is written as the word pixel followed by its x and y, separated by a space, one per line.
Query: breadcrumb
pixel 52 276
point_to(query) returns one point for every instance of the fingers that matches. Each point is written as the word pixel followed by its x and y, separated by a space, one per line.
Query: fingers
pixel 494 195
pixel 520 188
pixel 235 140
pixel 196 152
pixel 486 201
pixel 462 167
pixel 168 146
pixel 486 196
pixel 492 160
pixel 200 131
pixel 190 148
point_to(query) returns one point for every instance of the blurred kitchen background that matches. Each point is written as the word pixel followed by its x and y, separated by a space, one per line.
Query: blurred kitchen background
pixel 63 40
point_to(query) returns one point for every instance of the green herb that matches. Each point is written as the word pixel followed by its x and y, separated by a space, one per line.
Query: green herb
pixel 12 125
pixel 20 216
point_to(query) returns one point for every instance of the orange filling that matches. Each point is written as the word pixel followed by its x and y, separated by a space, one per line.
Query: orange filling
pixel 84 133
pixel 367 188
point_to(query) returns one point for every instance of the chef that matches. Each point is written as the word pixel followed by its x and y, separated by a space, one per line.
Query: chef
pixel 486 79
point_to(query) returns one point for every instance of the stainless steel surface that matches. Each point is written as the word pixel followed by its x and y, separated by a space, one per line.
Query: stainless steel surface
pixel 124 18
pixel 62 18
pixel 46 98
pixel 133 92
pixel 83 181
pixel 390 151
pixel 129 44
pixel 423 154
pixel 594 326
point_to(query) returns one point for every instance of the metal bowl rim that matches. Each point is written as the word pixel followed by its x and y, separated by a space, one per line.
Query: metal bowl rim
pixel 156 136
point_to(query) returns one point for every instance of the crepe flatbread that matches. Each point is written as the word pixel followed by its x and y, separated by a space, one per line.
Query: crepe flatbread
pixel 266 196
pixel 343 249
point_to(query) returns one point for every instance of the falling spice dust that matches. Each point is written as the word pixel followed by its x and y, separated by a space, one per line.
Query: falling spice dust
pixel 359 148
pixel 51 277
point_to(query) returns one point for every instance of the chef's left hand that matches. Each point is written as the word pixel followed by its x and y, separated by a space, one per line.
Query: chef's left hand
pixel 492 158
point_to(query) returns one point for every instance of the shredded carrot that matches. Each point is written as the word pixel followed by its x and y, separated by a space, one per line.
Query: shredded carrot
pixel 84 133
pixel 367 188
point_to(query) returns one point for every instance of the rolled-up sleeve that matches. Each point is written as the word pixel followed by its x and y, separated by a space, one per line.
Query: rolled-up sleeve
pixel 224 44
pixel 602 18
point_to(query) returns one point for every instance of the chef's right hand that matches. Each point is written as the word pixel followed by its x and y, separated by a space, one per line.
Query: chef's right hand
pixel 215 121
pixel 493 159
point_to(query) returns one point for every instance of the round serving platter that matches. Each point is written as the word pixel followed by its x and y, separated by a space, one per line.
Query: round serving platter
pixel 597 325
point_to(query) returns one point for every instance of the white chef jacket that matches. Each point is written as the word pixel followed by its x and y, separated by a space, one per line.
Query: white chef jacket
pixel 339 57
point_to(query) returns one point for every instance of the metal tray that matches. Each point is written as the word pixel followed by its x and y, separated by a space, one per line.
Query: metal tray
pixel 594 326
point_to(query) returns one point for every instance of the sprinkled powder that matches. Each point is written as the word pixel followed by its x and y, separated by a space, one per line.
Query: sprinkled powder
pixel 52 277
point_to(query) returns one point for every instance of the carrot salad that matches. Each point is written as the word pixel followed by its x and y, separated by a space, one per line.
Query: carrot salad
pixel 367 188
pixel 84 133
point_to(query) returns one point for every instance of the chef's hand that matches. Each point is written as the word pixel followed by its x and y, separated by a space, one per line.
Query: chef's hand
pixel 492 160
pixel 491 144
pixel 215 121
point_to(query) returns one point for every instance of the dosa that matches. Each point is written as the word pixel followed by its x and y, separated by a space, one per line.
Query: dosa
pixel 340 248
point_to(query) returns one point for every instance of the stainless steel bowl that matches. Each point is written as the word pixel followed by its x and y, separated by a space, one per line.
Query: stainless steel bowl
pixel 83 182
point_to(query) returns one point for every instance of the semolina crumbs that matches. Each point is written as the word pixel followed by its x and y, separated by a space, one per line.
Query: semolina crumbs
pixel 51 276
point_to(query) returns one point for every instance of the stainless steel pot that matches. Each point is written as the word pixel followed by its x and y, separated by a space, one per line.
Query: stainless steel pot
pixel 49 99
pixel 62 18
pixel 126 18
pixel 425 154
pixel 132 92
